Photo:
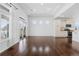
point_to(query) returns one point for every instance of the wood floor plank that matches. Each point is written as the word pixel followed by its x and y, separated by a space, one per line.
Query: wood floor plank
pixel 43 46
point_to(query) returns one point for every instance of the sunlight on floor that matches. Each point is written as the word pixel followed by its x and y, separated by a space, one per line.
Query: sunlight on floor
pixel 22 45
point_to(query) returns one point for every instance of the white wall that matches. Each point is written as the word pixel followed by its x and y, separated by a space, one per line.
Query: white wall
pixel 41 29
pixel 51 29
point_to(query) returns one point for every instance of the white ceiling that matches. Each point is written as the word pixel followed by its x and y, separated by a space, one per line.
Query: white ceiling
pixel 72 12
pixel 45 9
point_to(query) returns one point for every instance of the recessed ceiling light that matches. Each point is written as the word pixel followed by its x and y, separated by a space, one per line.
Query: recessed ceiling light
pixel 42 4
pixel 48 9
pixel 33 10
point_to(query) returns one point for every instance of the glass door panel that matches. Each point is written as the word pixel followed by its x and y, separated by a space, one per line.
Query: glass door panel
pixel 4 27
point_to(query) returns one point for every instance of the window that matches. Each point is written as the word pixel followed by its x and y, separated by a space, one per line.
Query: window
pixel 4 27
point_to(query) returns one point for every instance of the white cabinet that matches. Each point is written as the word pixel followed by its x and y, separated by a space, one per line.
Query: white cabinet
pixel 58 33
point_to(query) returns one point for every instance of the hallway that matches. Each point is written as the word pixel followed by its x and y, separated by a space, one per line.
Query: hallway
pixel 42 46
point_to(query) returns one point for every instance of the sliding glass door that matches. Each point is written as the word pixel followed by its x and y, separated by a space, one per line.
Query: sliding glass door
pixel 4 27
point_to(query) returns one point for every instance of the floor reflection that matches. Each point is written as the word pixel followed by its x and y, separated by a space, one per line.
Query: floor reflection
pixel 47 49
pixel 22 45
pixel 43 46
pixel 40 49
pixel 34 49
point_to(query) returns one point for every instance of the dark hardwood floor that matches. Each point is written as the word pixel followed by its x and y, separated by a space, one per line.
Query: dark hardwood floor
pixel 43 46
